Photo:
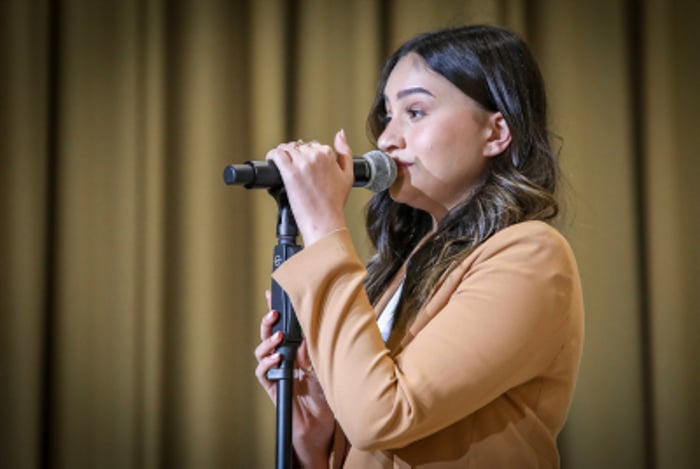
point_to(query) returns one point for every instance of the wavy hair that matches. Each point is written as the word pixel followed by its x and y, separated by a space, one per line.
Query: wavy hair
pixel 494 67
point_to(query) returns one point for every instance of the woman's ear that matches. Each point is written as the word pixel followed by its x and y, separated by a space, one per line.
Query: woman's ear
pixel 498 135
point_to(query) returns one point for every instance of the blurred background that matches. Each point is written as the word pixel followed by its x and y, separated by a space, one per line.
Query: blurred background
pixel 132 278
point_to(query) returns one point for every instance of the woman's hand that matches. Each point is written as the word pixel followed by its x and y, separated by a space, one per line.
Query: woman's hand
pixel 312 420
pixel 318 180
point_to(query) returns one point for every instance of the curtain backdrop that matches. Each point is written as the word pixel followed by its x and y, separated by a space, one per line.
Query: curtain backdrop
pixel 132 278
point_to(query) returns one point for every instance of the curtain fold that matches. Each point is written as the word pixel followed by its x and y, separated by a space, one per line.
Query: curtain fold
pixel 132 278
pixel 24 192
pixel 672 168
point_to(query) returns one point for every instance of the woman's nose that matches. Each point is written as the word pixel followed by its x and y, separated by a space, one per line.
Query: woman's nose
pixel 391 138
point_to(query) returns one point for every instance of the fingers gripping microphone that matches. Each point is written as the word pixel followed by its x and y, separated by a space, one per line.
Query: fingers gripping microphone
pixel 374 170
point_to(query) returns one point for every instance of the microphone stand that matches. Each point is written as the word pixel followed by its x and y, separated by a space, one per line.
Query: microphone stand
pixel 286 247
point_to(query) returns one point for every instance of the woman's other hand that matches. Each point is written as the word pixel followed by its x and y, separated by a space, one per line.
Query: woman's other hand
pixel 312 420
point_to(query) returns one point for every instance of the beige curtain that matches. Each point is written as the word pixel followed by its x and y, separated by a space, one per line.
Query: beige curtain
pixel 132 278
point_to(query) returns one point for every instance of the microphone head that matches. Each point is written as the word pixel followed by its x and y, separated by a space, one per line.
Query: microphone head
pixel 383 170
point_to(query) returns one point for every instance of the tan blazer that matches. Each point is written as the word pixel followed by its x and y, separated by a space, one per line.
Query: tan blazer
pixel 485 374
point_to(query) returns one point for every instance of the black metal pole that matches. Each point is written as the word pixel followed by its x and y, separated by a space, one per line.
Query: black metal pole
pixel 287 323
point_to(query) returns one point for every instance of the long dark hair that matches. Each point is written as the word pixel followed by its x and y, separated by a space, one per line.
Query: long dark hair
pixel 494 67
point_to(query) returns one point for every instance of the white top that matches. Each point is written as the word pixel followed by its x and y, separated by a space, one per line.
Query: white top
pixel 385 321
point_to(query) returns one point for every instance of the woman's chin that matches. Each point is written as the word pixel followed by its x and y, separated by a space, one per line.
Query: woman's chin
pixel 400 192
pixel 395 192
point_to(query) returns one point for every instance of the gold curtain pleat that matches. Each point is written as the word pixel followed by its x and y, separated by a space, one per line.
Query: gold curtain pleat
pixel 672 199
pixel 23 225
pixel 132 278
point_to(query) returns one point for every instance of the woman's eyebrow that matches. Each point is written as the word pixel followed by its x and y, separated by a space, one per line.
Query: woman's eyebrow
pixel 416 89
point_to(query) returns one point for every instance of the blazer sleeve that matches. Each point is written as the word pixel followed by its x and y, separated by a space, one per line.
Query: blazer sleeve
pixel 503 324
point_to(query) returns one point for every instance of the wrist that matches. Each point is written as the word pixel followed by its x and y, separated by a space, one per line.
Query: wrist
pixel 315 233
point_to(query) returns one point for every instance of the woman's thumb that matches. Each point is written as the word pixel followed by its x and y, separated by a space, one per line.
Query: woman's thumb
pixel 342 148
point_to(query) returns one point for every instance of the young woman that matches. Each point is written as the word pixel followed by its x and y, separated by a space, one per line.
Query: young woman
pixel 458 345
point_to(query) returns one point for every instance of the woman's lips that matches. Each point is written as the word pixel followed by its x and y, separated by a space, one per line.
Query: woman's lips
pixel 401 164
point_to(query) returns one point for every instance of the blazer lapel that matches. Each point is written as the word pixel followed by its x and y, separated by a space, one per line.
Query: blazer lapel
pixel 389 291
pixel 438 300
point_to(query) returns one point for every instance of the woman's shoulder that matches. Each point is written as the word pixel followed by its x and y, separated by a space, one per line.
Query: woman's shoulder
pixel 532 240
pixel 535 231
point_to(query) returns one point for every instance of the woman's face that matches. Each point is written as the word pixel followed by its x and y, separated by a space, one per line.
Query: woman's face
pixel 438 136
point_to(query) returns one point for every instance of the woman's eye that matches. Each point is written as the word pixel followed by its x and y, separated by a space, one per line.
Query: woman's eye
pixel 414 113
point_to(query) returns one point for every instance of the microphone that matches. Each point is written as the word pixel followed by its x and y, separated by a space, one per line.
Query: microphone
pixel 374 170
